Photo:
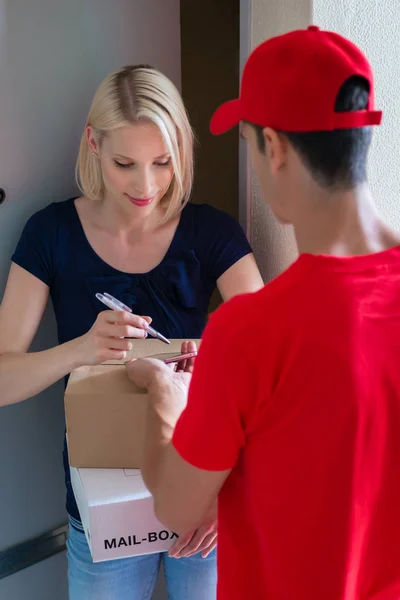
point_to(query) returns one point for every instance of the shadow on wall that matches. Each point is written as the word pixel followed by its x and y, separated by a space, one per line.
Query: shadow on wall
pixel 274 244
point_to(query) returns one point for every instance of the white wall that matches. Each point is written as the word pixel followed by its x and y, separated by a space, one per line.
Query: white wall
pixel 374 27
pixel 273 244
pixel 53 54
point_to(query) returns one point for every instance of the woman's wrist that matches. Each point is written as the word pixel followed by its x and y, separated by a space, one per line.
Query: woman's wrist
pixel 73 353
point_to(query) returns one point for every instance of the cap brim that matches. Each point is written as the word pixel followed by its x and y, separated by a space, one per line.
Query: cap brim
pixel 225 117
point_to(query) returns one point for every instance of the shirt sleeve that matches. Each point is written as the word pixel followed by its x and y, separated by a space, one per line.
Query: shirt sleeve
pixel 221 241
pixel 36 246
pixel 212 429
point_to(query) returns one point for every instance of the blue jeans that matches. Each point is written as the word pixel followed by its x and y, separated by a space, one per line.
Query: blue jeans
pixel 193 578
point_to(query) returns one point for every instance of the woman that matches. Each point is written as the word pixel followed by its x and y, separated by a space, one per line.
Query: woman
pixel 132 234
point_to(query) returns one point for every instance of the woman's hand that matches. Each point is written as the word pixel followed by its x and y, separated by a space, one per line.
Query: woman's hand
pixel 106 340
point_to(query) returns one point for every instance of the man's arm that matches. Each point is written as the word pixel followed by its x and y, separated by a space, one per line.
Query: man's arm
pixel 186 472
pixel 184 495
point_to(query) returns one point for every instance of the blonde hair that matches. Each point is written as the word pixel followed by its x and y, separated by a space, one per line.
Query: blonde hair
pixel 129 95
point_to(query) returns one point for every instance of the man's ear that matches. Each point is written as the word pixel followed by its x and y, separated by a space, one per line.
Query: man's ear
pixel 276 148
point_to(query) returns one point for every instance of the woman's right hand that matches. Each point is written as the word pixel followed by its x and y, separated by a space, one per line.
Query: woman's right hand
pixel 105 340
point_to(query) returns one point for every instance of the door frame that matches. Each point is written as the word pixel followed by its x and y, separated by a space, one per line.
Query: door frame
pixel 244 162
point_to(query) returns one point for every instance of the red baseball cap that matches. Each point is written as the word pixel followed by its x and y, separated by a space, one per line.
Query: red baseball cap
pixel 290 83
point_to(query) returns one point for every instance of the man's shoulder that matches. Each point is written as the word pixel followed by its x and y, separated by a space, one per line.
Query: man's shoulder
pixel 275 307
pixel 247 314
pixel 280 293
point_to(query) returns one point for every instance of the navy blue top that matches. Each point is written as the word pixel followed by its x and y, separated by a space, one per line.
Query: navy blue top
pixel 176 293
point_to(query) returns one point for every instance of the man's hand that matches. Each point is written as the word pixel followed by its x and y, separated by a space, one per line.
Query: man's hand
pixel 203 539
pixel 167 388
pixel 167 397
pixel 182 492
pixel 148 372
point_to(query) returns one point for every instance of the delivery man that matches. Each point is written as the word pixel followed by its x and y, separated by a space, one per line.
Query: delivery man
pixel 293 413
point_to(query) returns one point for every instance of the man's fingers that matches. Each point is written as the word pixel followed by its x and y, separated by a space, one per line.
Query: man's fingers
pixel 142 370
pixel 136 373
pixel 197 544
pixel 205 553
pixel 205 543
pixel 205 546
pixel 181 543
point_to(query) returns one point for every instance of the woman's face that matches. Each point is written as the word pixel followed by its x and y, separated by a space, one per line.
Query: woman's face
pixel 136 166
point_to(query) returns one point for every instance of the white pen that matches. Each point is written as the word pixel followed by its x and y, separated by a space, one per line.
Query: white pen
pixel 115 304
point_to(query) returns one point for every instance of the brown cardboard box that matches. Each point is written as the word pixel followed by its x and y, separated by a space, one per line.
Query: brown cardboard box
pixel 106 413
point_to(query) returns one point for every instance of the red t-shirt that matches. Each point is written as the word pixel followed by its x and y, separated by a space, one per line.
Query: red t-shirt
pixel 297 390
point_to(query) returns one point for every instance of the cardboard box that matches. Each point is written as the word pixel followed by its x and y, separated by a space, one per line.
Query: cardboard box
pixel 106 413
pixel 117 513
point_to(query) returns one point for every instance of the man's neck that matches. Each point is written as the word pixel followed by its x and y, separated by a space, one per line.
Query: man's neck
pixel 345 223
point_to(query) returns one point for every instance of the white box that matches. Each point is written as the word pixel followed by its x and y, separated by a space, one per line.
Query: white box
pixel 117 513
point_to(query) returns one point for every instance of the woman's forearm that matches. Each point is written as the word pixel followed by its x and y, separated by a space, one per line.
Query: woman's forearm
pixel 23 375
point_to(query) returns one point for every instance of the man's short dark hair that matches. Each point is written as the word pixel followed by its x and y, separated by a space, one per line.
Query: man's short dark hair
pixel 336 159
